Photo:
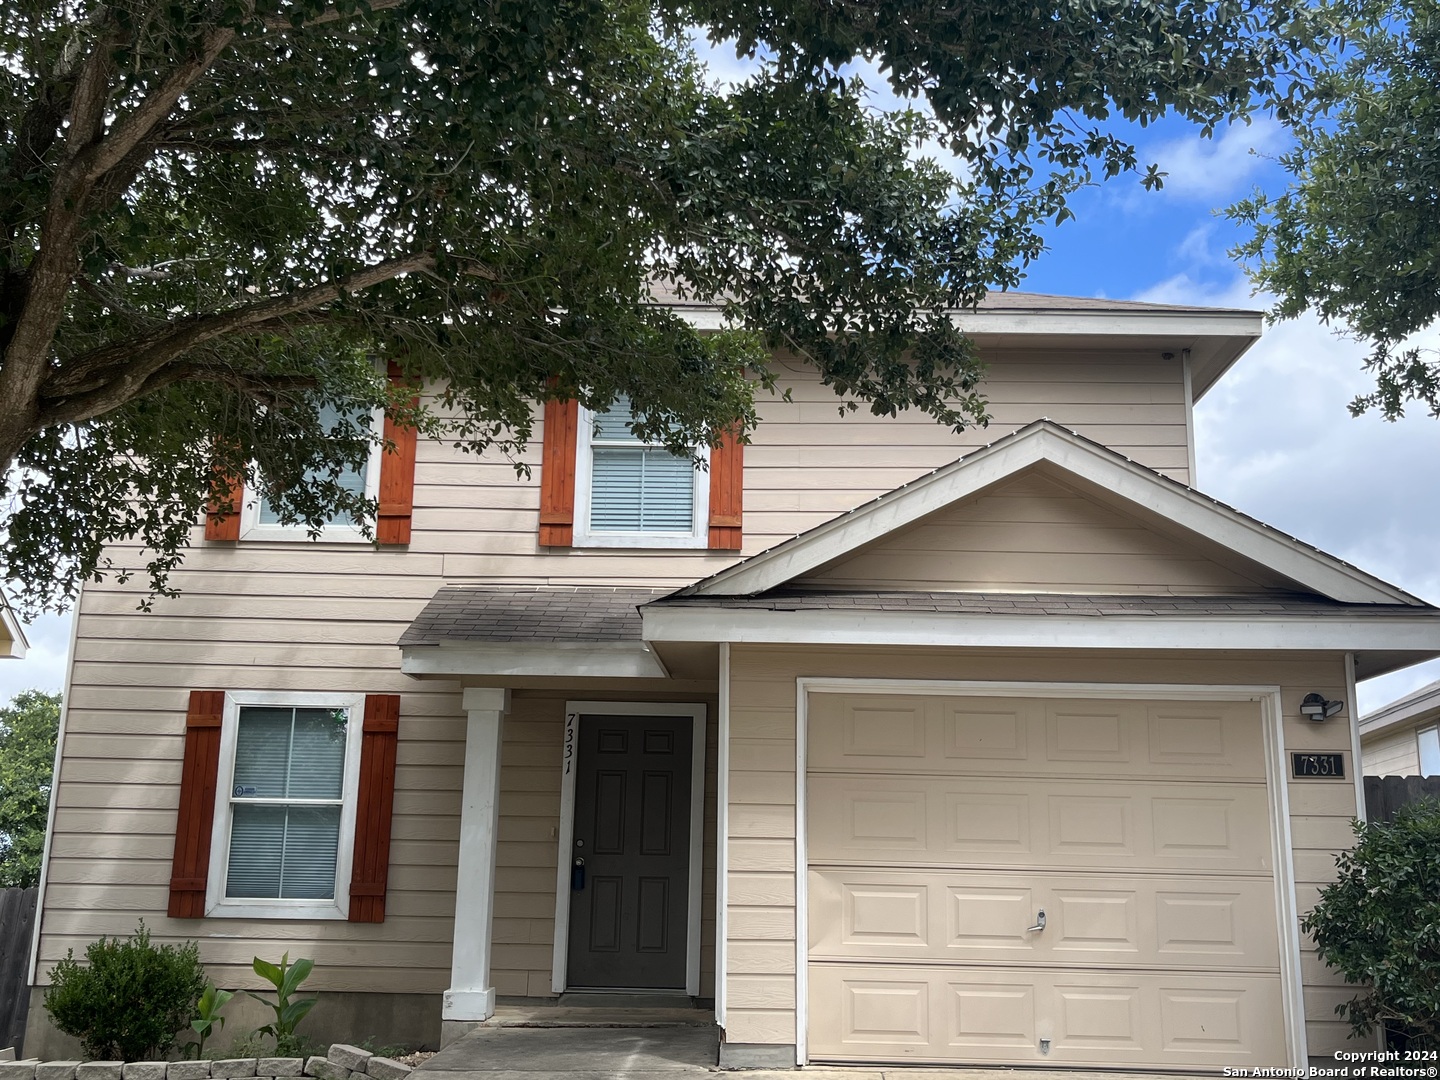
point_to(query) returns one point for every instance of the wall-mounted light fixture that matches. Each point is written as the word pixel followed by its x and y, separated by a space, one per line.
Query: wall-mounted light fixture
pixel 1317 708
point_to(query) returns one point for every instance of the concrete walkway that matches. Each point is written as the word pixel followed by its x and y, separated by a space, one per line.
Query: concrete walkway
pixel 548 1043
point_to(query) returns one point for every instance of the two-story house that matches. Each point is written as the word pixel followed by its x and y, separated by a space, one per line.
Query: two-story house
pixel 1007 747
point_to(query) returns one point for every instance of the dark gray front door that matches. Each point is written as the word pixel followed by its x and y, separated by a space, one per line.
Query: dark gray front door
pixel 629 909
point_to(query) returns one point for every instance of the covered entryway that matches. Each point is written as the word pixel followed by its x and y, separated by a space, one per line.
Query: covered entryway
pixel 628 902
pixel 1018 880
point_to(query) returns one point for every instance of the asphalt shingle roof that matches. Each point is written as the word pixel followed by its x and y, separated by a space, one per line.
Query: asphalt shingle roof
pixel 529 613
pixel 556 613
pixel 1241 606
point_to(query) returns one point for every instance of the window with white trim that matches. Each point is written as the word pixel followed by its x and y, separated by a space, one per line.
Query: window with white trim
pixel 284 829
pixel 1429 751
pixel 630 493
pixel 260 521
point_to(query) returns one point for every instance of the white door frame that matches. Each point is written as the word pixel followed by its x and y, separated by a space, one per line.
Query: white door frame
pixel 573 711
pixel 1276 786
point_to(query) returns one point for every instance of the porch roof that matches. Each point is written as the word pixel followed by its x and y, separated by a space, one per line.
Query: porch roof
pixel 529 613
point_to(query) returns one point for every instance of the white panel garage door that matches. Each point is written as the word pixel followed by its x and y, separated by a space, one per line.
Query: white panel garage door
pixel 938 828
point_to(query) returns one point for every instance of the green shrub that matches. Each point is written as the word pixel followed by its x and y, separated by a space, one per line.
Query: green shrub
pixel 130 999
pixel 1379 925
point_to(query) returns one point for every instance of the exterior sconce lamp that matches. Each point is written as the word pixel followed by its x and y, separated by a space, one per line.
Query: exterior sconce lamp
pixel 1317 708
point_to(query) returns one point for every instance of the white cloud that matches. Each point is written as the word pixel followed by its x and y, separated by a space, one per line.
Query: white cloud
pixel 1209 170
pixel 44 665
pixel 1275 439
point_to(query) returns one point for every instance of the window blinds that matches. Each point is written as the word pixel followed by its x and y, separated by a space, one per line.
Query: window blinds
pixel 286 798
pixel 635 487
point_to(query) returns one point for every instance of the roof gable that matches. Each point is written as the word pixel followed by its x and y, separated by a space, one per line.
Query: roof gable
pixel 1167 505
pixel 1034 533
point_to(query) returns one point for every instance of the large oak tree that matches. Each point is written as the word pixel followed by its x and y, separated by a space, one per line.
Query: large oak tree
pixel 220 216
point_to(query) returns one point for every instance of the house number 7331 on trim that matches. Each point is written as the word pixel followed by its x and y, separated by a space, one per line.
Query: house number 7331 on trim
pixel 1317 766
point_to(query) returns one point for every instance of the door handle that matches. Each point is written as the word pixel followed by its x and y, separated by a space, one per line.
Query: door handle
pixel 1039 924
pixel 577 875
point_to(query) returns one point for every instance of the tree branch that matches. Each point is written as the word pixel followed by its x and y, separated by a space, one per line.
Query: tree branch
pixel 133 129
pixel 329 15
pixel 101 379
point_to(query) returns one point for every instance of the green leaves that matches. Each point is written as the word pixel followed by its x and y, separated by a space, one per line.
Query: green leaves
pixel 1378 924
pixel 286 978
pixel 207 1016
pixel 129 999
pixel 539 167
pixel 28 728
pixel 1356 234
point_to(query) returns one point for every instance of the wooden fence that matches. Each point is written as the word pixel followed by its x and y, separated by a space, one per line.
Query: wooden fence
pixel 1386 794
pixel 17 923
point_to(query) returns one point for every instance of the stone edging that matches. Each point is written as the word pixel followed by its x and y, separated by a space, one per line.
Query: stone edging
pixel 343 1062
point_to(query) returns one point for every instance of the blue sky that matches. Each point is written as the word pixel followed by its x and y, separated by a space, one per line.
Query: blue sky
pixel 1274 438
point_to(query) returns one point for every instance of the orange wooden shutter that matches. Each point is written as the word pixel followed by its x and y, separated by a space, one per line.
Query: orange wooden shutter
pixel 727 494
pixel 191 867
pixel 397 478
pixel 557 473
pixel 374 805
pixel 222 517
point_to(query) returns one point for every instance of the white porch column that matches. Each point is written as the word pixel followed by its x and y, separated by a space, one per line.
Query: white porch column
pixel 471 997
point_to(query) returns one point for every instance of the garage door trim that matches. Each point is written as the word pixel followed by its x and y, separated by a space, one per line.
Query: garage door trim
pixel 1268 698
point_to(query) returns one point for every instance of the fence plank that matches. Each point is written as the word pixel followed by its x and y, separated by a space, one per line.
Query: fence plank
pixel 17 923
pixel 1386 794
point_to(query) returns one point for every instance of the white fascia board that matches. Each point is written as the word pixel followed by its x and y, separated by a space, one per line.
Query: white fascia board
pixel 1259 543
pixel 615 660
pixel 18 645
pixel 1417 707
pixel 1017 322
pixel 1048 442
pixel 701 623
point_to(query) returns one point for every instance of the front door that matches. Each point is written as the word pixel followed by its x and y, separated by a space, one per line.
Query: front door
pixel 629 890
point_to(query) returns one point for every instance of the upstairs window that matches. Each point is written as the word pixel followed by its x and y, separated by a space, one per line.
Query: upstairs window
pixel 261 521
pixel 630 493
pixel 1429 751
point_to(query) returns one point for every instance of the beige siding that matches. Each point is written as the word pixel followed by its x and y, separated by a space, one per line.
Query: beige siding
pixel 312 617
pixel 110 860
pixel 807 464
pixel 1035 534
pixel 119 788
pixel 761 999
pixel 1394 753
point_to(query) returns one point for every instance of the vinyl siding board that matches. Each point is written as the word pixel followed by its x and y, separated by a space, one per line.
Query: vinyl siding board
pixel 762 702
pixel 1395 753
pixel 1034 533
pixel 265 615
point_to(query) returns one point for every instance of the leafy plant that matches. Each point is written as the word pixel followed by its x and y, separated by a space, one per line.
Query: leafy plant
pixel 1379 925
pixel 28 725
pixel 208 1016
pixel 286 978
pixel 131 998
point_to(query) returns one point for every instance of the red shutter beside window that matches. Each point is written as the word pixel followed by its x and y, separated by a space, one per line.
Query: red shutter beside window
pixel 557 473
pixel 727 494
pixel 397 478
pixel 222 517
pixel 374 805
pixel 191 866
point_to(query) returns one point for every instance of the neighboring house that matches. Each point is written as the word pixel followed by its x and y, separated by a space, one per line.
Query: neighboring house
pixel 1401 738
pixel 901 745
pixel 13 645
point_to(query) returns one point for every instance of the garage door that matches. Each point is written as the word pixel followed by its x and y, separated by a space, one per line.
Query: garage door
pixel 939 828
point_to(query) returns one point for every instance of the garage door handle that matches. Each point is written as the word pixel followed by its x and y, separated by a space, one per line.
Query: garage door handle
pixel 1039 924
